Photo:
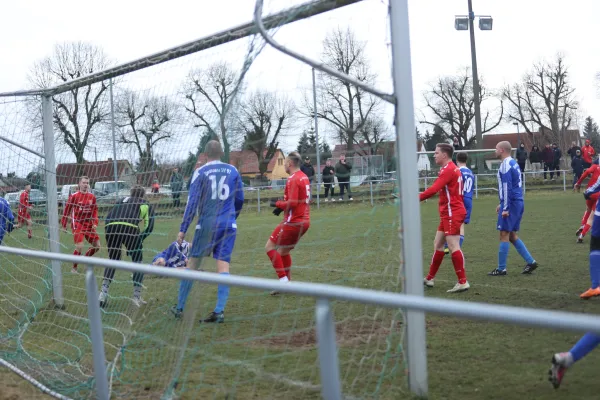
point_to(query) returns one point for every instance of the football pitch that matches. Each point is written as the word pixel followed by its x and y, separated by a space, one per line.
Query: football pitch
pixel 266 348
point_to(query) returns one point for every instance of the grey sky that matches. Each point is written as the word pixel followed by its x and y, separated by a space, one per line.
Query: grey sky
pixel 524 32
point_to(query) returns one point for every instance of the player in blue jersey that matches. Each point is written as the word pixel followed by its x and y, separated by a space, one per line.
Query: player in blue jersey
pixel 174 256
pixel 7 219
pixel 216 196
pixel 562 361
pixel 468 180
pixel 510 211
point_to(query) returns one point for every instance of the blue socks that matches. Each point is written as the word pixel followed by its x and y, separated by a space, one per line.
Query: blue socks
pixel 462 239
pixel 523 252
pixel 184 291
pixel 595 268
pixel 503 255
pixel 222 295
pixel 587 343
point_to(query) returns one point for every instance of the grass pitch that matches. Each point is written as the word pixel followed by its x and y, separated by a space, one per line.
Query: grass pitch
pixel 266 348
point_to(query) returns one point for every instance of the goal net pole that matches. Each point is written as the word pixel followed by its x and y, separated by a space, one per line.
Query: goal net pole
pixel 410 211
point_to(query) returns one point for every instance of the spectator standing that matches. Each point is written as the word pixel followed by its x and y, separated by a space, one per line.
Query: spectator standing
pixel 587 154
pixel 308 169
pixel 573 150
pixel 577 165
pixel 342 173
pixel 548 159
pixel 522 157
pixel 176 187
pixel 557 157
pixel 155 187
pixel 328 180
pixel 457 148
pixel 535 159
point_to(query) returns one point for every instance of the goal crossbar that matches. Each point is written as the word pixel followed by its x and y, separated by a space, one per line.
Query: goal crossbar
pixel 287 16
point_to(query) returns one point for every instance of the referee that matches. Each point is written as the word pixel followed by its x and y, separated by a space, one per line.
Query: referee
pixel 123 229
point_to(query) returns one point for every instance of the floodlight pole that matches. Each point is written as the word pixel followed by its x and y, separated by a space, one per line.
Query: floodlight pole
pixel 476 96
pixel 314 83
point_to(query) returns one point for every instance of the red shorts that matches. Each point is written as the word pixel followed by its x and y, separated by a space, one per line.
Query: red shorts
pixel 451 225
pixel 23 216
pixel 288 234
pixel 591 203
pixel 85 231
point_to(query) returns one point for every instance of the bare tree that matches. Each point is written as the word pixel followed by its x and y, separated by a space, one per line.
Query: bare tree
pixel 374 132
pixel 343 105
pixel 144 122
pixel 264 117
pixel 544 99
pixel 210 98
pixel 451 103
pixel 77 113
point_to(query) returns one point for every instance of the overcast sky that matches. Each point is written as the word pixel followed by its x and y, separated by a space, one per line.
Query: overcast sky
pixel 525 31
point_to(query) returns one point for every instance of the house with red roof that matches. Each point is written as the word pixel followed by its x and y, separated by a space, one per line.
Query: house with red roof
pixel 246 163
pixel 99 171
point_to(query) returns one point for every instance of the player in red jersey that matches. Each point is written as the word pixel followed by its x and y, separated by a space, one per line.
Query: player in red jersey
pixel 452 215
pixel 296 218
pixel 586 222
pixel 23 216
pixel 82 210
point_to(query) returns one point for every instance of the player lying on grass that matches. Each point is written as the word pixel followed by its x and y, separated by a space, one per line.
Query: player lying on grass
pixel 216 196
pixel 7 219
pixel 562 361
pixel 590 204
pixel 81 209
pixel 295 207
pixel 467 187
pixel 510 211
pixel 174 256
pixel 448 186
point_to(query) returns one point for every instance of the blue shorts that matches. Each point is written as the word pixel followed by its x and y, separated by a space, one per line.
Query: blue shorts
pixel 468 206
pixel 512 223
pixel 218 242
pixel 596 223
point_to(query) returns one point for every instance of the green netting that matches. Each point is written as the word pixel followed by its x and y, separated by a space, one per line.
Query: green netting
pixel 267 346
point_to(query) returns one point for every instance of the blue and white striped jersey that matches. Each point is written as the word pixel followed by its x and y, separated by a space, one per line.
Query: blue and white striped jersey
pixel 510 186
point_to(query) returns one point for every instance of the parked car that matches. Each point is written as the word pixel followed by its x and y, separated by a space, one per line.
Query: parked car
pixel 37 197
pixel 12 198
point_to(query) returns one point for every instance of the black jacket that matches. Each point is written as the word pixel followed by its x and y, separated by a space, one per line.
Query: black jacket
pixel 573 151
pixel 308 169
pixel 577 165
pixel 130 212
pixel 535 156
pixel 521 155
pixel 328 174
pixel 342 171
pixel 557 154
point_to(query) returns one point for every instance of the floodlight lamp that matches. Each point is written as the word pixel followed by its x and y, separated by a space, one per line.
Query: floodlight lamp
pixel 461 23
pixel 485 23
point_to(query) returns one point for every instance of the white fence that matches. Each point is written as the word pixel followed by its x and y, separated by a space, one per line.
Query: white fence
pixel 325 321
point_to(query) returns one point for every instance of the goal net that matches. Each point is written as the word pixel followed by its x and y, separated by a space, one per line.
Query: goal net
pixel 149 127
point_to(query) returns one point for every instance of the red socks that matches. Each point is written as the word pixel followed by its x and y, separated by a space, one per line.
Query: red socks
pixel 458 260
pixel 91 251
pixel 287 265
pixel 586 229
pixel 76 253
pixel 585 217
pixel 436 261
pixel 277 262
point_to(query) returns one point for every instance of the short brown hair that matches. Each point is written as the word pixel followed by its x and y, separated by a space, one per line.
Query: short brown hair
pixel 138 191
pixel 83 177
pixel 445 148
pixel 462 157
pixel 295 158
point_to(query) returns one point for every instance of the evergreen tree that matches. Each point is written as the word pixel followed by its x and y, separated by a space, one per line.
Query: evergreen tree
pixel 431 140
pixel 325 152
pixel 303 144
pixel 591 132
